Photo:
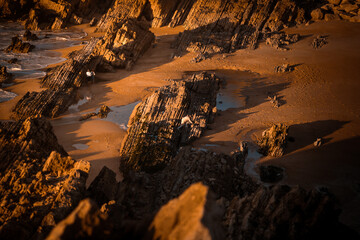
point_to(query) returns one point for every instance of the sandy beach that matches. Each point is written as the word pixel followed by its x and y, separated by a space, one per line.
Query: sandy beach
pixel 319 99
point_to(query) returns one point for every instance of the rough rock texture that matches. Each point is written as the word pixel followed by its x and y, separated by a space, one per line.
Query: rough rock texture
pixel 14 9
pixel 281 40
pixel 336 10
pixel 62 82
pixel 193 215
pixel 18 46
pixel 85 222
pixel 5 77
pixel 224 26
pixel 319 42
pixel 273 140
pixel 120 11
pixel 284 68
pixel 39 183
pixel 156 131
pixel 123 44
pixel 52 14
pixel 283 212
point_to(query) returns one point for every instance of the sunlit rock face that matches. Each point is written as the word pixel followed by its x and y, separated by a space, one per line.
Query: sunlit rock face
pixel 39 183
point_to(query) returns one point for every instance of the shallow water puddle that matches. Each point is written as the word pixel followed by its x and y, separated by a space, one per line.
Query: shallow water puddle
pixel 226 100
pixel 120 115
pixel 6 96
pixel 250 163
pixel 80 146
pixel 75 107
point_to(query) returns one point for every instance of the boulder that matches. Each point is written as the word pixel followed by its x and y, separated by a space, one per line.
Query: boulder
pixel 193 215
pixel 5 77
pixel 319 42
pixel 18 46
pixel 29 36
pixel 317 14
pixel 273 140
pixel 156 131
pixel 104 187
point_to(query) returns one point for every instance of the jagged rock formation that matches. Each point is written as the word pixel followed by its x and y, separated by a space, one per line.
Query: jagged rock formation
pixel 62 82
pixel 5 77
pixel 193 215
pixel 29 36
pixel 273 140
pixel 86 221
pixel 224 26
pixel 123 44
pixel 156 130
pixel 39 183
pixel 14 9
pixel 18 46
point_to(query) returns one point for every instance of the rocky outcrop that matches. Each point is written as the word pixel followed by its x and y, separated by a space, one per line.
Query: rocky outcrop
pixel 29 36
pixel 193 215
pixel 123 44
pixel 5 77
pixel 224 26
pixel 85 222
pixel 336 10
pixel 281 40
pixel 39 183
pixel 120 11
pixel 18 46
pixel 273 140
pixel 14 9
pixel 283 212
pixel 158 125
pixel 62 83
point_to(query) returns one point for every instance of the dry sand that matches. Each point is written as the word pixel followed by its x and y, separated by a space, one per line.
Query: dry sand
pixel 320 99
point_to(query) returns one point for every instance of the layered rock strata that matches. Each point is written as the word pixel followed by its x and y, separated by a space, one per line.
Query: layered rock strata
pixel 39 183
pixel 122 45
pixel 62 82
pixel 18 46
pixel 124 42
pixel 172 116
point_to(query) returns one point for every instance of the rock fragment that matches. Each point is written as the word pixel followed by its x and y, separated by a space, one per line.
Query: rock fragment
pixel 273 140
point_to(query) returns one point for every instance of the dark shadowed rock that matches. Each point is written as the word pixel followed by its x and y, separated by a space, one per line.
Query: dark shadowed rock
pixel 18 46
pixel 29 36
pixel 271 174
pixel 104 187
pixel 5 77
pixel 85 222
pixel 273 140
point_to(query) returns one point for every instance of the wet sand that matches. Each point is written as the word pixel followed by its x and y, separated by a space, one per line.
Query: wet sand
pixel 320 99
